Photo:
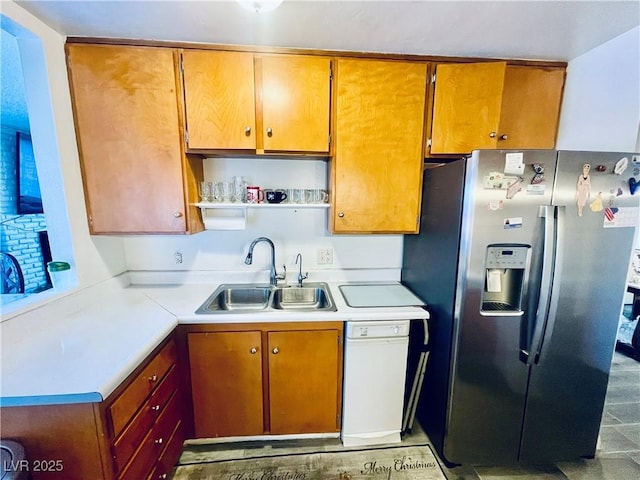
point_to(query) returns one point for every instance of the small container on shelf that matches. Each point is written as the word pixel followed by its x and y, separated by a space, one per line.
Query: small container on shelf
pixel 61 276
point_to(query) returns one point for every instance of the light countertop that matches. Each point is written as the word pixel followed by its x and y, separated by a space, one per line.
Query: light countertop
pixel 79 348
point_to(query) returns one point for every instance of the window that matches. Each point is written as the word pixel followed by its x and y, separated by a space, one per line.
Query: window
pixel 28 154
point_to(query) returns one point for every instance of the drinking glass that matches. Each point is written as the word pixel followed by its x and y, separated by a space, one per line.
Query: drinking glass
pixel 217 192
pixel 226 191
pixel 291 195
pixel 240 188
pixel 205 189
pixel 309 195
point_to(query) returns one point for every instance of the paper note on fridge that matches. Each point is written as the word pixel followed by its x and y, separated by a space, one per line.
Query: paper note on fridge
pixel 514 163
pixel 620 217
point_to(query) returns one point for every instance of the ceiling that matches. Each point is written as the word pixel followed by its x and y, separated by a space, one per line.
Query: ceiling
pixel 544 30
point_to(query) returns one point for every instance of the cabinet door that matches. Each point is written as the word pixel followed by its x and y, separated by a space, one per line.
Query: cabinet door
pixel 530 107
pixel 466 108
pixel 303 381
pixel 378 153
pixel 295 102
pixel 226 383
pixel 127 125
pixel 219 99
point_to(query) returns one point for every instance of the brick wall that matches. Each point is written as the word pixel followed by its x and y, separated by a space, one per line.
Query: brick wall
pixel 19 233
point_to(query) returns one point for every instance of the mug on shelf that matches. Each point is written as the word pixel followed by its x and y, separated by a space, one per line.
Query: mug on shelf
pixel 275 196
pixel 320 196
pixel 255 194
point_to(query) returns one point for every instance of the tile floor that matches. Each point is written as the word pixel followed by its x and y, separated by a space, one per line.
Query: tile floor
pixel 617 458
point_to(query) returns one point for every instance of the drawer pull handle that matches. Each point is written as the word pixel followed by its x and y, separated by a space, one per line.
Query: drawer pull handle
pixel 155 408
pixel 275 351
pixel 159 441
pixel 253 351
pixel 153 378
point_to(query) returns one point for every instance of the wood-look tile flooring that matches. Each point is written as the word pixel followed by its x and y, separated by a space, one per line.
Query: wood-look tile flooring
pixel 617 458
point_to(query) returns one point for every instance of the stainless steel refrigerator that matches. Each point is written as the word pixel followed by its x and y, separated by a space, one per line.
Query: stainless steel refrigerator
pixel 522 259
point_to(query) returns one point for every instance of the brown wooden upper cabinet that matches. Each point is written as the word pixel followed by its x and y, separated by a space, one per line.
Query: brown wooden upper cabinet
pixel 493 105
pixel 128 127
pixel 376 173
pixel 256 102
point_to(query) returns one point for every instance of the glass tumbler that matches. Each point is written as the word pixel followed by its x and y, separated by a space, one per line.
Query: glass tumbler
pixel 205 189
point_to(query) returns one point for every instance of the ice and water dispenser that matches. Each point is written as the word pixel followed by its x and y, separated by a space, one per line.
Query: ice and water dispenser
pixel 506 272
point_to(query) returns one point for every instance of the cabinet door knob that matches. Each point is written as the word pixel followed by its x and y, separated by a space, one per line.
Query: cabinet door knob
pixel 159 441
pixel 162 476
pixel 155 408
pixel 275 351
pixel 153 378
pixel 253 350
pixel 247 131
pixel 269 132
pixel 177 214
pixel 503 137
pixel 492 135
pixel 341 214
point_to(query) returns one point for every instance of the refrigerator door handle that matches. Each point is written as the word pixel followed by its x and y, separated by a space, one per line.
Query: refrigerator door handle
pixel 547 213
pixel 555 281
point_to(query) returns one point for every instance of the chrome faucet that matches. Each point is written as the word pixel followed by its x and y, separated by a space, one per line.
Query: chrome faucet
pixel 273 275
pixel 301 277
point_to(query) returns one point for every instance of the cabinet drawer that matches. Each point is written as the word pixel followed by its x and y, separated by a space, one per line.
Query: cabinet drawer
pixel 155 442
pixel 169 456
pixel 133 434
pixel 126 405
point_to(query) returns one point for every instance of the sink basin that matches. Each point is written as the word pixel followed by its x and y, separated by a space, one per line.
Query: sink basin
pixel 252 298
pixel 241 298
pixel 302 298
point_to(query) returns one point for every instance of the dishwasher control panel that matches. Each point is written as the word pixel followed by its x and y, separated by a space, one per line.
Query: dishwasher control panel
pixel 378 329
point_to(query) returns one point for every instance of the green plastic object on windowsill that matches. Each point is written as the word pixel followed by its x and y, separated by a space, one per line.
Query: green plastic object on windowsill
pixel 60 274
pixel 58 266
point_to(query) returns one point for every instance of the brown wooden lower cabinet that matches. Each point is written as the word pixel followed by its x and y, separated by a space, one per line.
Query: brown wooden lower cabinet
pixel 136 433
pixel 275 378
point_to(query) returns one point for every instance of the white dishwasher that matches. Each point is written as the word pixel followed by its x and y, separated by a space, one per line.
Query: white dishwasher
pixel 375 366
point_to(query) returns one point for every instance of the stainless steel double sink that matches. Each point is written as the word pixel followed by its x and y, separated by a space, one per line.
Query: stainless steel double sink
pixel 253 298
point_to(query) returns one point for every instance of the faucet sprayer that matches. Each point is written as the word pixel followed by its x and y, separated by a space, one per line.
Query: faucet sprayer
pixel 274 276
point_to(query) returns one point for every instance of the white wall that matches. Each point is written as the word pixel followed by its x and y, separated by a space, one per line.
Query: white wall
pixel 601 105
pixel 49 104
pixel 292 230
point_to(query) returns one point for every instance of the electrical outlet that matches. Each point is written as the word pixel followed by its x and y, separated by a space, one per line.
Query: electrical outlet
pixel 178 256
pixel 325 256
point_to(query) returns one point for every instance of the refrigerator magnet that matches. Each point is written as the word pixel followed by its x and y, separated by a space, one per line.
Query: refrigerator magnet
pixel 514 188
pixel 596 205
pixel 512 222
pixel 495 205
pixel 583 188
pixel 621 166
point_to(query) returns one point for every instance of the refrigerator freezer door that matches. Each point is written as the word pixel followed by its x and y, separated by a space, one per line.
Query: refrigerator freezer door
pixel 568 383
pixel 502 203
